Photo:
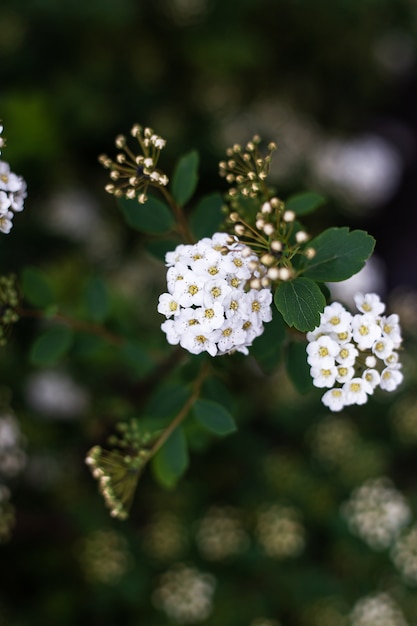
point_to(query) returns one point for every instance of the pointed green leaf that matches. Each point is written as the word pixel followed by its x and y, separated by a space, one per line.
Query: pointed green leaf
pixel 171 461
pixel 298 369
pixel 340 253
pixel 214 417
pixel 304 203
pixel 185 178
pixel 36 288
pixel 207 216
pixel 51 345
pixel 300 301
pixel 97 299
pixel 153 217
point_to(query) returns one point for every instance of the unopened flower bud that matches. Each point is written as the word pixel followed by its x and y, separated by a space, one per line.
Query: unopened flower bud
pixel 239 229
pixel 289 216
pixel 273 273
pixel 301 236
pixel 284 273
pixel 120 141
pixel 266 207
pixel 255 283
pixel 276 245
pixel 260 223
pixel 310 253
pixel 267 259
pixel 269 229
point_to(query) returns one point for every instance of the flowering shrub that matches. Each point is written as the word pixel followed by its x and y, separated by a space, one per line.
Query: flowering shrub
pixel 244 276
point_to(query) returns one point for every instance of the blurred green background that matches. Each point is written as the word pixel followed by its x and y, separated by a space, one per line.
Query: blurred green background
pixel 255 532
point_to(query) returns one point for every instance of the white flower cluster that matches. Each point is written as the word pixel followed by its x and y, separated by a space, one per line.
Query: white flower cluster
pixel 12 193
pixel 377 610
pixel 404 555
pixel 354 354
pixel 207 302
pixel 377 512
pixel 185 594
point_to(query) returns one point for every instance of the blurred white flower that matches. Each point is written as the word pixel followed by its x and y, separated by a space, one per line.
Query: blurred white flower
pixel 376 610
pixel 185 594
pixel 404 555
pixel 364 170
pixel 377 512
pixel 55 394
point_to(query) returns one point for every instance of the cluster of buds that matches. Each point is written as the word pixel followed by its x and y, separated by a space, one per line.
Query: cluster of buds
pixel 9 300
pixel 246 168
pixel 275 238
pixel 132 174
pixel 260 221
pixel 118 472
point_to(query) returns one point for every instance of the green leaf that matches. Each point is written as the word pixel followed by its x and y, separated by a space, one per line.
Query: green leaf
pixel 171 461
pixel 300 301
pixel 137 358
pixel 185 177
pixel 167 400
pixel 51 345
pixel 36 288
pixel 153 217
pixel 298 369
pixel 97 299
pixel 304 203
pixel 340 253
pixel 207 216
pixel 267 348
pixel 214 417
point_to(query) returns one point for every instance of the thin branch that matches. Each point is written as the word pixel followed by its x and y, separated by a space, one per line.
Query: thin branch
pixel 81 325
pixel 182 413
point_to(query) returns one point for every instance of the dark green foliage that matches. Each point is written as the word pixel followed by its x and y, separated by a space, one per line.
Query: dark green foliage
pixel 185 178
pixel 153 217
pixel 300 302
pixel 339 254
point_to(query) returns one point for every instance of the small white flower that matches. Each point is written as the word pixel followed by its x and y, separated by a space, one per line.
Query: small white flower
pixel 232 336
pixel 391 328
pixel 323 376
pixel 335 318
pixel 372 377
pixel 392 359
pixel 347 354
pixel 344 373
pixel 211 317
pixel 390 378
pixel 216 291
pixel 383 347
pixel 170 330
pixel 369 303
pixel 334 399
pixel 6 222
pixel 196 341
pixel 256 305
pixel 356 391
pixel 176 274
pixel 5 202
pixel 322 353
pixel 168 305
pixel 365 330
